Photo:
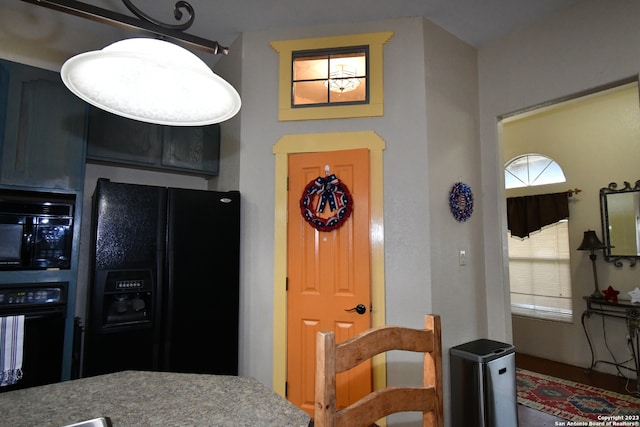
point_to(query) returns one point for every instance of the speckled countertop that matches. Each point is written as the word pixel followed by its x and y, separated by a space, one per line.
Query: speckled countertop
pixel 135 398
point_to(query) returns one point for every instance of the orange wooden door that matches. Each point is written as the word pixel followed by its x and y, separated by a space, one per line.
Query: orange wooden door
pixel 328 274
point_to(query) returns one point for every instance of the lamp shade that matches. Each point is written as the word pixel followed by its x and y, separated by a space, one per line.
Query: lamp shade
pixel 590 242
pixel 151 81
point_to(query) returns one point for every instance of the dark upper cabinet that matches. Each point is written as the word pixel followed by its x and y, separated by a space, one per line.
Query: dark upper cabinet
pixel 42 147
pixel 43 129
pixel 120 141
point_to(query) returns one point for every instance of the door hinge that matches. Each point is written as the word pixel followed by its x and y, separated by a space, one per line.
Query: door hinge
pixel 287 184
pixel 286 389
pixel 286 284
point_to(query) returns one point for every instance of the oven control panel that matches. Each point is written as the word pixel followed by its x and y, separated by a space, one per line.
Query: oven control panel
pixel 40 295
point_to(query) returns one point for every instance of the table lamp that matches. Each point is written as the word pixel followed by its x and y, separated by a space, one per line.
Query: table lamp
pixel 590 242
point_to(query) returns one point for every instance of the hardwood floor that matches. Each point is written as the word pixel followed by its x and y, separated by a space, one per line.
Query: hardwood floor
pixel 528 417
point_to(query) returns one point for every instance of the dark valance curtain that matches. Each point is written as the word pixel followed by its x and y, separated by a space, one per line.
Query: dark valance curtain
pixel 531 213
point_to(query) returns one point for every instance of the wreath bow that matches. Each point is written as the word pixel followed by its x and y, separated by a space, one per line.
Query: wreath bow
pixel 327 190
pixel 330 191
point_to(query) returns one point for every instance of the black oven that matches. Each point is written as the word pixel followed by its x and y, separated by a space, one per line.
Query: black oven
pixel 36 230
pixel 44 307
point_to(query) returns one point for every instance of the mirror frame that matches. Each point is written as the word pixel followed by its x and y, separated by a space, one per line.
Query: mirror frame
pixel 612 188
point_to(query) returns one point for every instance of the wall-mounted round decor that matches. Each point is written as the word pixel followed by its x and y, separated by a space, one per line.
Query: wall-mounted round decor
pixel 461 201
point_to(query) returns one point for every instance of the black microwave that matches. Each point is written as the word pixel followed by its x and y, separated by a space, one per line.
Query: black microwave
pixel 36 230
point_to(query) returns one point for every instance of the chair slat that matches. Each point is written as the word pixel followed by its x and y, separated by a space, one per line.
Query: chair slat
pixel 378 340
pixel 385 402
pixel 332 359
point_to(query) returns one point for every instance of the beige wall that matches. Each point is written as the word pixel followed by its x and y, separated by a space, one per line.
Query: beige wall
pixel 595 141
pixel 453 153
pixel 591 44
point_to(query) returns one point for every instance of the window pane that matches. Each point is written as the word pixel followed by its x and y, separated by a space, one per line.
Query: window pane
pixel 520 168
pixel 357 94
pixel 530 170
pixel 511 181
pixel 537 165
pixel 309 68
pixel 354 64
pixel 542 308
pixel 328 76
pixel 539 274
pixel 313 92
pixel 552 174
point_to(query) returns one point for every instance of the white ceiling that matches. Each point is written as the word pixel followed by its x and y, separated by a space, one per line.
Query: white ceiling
pixel 473 21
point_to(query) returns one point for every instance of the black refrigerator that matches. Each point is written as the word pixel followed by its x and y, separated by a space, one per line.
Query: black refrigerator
pixel 164 281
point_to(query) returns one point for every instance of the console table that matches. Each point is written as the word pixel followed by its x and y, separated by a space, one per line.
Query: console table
pixel 623 310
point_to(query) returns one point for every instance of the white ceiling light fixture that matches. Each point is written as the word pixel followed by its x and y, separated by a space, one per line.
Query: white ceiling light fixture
pixel 152 81
pixel 342 80
pixel 145 79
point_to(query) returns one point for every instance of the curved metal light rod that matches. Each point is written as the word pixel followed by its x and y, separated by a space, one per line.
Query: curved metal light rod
pixel 144 24
pixel 176 12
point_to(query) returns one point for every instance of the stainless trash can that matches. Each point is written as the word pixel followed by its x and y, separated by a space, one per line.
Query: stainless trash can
pixel 483 384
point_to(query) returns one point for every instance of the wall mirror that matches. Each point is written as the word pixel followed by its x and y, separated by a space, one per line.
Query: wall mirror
pixel 620 214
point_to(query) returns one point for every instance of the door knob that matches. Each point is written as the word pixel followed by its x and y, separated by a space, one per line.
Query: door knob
pixel 360 309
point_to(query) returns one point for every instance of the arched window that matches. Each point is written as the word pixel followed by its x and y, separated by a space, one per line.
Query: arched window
pixel 532 169
pixel 539 270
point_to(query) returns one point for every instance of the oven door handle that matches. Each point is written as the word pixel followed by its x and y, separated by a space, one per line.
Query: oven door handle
pixel 43 315
pixel 36 315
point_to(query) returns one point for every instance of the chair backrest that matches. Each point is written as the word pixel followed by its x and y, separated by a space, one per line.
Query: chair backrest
pixel 333 359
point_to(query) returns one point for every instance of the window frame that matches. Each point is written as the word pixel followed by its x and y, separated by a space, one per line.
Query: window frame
pixel 374 108
pixel 542 178
pixel 329 53
pixel 531 308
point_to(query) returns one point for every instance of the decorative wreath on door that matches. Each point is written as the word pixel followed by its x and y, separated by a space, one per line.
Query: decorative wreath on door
pixel 326 191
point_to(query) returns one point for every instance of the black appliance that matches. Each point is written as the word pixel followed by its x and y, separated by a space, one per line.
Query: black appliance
pixel 44 306
pixel 36 230
pixel 165 276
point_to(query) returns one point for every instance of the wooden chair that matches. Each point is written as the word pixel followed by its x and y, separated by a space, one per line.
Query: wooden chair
pixel 333 359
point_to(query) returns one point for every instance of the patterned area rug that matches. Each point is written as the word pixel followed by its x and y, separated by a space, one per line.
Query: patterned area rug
pixel 575 402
